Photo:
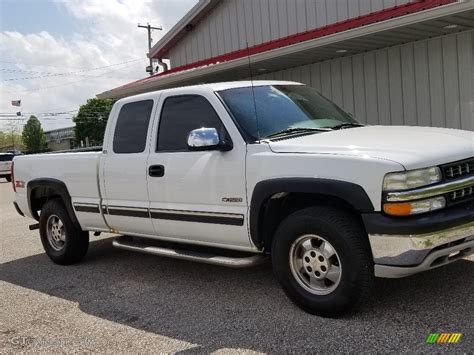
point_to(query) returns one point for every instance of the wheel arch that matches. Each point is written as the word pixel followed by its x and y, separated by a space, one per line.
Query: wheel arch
pixel 274 199
pixel 41 190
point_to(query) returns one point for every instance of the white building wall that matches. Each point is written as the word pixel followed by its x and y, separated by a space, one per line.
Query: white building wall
pixel 234 23
pixel 425 83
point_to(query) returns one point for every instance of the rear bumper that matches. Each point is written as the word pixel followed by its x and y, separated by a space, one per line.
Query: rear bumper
pixel 402 247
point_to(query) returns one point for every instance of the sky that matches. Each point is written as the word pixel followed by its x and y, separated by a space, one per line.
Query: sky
pixel 56 54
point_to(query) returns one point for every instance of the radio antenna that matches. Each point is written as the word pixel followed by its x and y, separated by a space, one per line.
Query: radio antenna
pixel 253 91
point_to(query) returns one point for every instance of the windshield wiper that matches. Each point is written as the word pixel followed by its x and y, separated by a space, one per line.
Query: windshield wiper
pixel 296 130
pixel 345 125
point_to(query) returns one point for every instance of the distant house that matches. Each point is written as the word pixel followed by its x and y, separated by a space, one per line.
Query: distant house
pixel 60 139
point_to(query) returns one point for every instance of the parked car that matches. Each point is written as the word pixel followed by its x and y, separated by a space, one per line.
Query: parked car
pixel 5 165
pixel 15 152
pixel 231 173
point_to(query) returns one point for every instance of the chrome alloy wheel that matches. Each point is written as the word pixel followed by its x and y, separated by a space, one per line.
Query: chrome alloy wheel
pixel 55 232
pixel 315 264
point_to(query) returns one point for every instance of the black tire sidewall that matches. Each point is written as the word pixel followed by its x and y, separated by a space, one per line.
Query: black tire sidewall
pixel 349 288
pixel 76 241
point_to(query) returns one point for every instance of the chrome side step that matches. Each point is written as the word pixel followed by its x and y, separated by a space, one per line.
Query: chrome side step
pixel 142 245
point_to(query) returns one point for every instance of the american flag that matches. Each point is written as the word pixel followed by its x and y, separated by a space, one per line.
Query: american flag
pixel 16 102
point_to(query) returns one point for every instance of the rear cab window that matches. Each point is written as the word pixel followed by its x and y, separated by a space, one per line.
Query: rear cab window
pixel 132 127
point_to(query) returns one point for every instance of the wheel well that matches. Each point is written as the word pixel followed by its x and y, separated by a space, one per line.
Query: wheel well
pixel 42 190
pixel 279 206
pixel 39 196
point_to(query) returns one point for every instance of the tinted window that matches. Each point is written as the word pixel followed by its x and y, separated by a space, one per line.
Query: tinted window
pixel 6 157
pixel 182 114
pixel 132 127
pixel 281 107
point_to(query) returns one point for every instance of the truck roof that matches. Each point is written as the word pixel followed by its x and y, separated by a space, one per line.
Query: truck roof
pixel 212 87
pixel 244 83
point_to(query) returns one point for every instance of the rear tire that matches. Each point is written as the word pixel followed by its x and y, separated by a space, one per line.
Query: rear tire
pixel 8 178
pixel 322 259
pixel 62 241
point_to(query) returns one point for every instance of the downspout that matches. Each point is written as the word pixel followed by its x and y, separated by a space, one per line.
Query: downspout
pixel 162 64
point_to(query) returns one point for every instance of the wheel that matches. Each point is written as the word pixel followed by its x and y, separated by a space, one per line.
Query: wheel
pixel 63 242
pixel 322 259
pixel 8 178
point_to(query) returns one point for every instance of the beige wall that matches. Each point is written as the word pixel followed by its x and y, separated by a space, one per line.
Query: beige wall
pixel 234 23
pixel 425 83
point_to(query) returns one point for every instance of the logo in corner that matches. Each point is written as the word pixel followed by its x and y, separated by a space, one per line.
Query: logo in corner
pixel 443 338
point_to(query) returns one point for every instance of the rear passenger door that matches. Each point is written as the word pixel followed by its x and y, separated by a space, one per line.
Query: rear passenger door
pixel 125 201
pixel 200 196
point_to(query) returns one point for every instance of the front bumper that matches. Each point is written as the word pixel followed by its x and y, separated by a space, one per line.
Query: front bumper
pixel 402 247
pixel 404 255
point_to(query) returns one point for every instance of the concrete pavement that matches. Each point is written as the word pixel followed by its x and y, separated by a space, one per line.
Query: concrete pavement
pixel 117 301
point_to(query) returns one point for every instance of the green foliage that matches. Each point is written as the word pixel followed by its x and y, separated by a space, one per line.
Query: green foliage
pixel 10 138
pixel 91 121
pixel 33 136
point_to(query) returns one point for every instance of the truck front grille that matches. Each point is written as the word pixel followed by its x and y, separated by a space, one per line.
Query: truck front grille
pixel 462 194
pixel 459 169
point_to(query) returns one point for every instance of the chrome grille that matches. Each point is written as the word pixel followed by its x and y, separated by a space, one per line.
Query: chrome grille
pixel 459 169
pixel 462 194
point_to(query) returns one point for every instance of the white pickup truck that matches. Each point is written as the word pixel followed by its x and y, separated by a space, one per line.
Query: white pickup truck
pixel 230 173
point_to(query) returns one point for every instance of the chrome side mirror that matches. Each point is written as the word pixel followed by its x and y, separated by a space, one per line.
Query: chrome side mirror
pixel 207 139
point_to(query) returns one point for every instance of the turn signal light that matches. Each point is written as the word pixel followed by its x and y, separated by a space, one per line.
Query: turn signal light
pixel 414 207
pixel 397 209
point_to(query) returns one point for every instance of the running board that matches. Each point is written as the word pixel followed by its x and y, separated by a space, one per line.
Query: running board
pixel 142 245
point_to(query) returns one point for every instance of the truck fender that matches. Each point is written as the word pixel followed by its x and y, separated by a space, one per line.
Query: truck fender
pixel 351 193
pixel 47 187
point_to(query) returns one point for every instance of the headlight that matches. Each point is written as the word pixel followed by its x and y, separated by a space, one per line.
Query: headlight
pixel 411 179
pixel 415 207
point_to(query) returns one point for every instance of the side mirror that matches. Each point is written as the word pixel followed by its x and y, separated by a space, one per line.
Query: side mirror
pixel 207 139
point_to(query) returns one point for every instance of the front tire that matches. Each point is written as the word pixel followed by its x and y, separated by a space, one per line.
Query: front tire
pixel 62 241
pixel 8 178
pixel 322 259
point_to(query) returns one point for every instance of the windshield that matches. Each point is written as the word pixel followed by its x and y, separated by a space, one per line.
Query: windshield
pixel 281 108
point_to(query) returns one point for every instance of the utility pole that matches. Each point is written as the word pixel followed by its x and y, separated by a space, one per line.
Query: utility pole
pixel 149 69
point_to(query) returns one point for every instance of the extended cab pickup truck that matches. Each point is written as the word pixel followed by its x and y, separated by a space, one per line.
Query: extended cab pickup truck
pixel 231 173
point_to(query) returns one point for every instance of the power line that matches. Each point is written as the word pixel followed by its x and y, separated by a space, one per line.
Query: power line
pixel 68 83
pixel 49 74
pixel 54 66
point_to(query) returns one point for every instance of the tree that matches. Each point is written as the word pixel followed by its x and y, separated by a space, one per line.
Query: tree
pixel 33 136
pixel 91 121
pixel 10 138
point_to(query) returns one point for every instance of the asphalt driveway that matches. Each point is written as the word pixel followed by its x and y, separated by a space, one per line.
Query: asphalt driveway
pixel 121 301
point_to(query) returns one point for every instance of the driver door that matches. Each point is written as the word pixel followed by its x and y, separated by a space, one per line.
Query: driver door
pixel 197 196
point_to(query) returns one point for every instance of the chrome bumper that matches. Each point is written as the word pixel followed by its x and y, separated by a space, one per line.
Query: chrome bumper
pixel 403 255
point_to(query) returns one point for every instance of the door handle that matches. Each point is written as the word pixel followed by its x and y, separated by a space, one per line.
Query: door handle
pixel 156 170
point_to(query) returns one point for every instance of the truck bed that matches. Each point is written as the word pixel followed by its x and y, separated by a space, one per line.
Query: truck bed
pixel 78 170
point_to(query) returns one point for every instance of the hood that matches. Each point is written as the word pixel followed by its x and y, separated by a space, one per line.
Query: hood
pixel 413 147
